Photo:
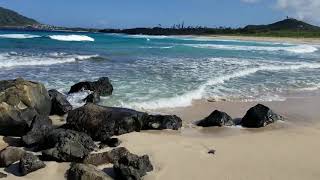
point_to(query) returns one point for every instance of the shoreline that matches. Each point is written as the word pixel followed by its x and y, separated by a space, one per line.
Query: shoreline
pixel 314 41
pixel 275 152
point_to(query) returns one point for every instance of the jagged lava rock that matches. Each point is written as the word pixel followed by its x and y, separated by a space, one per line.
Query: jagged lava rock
pixel 40 127
pixel 30 163
pixel 79 171
pixel 59 103
pixel 67 146
pixel 132 167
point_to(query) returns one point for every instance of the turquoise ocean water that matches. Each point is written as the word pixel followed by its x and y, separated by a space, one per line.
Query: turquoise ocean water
pixel 150 72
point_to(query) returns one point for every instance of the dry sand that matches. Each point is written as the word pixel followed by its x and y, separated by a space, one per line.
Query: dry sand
pixel 266 39
pixel 283 151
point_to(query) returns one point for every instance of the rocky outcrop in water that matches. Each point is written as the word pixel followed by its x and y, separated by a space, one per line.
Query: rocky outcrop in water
pixel 60 104
pixel 102 87
pixel 20 102
pixel 67 146
pixel 259 116
pixel 101 122
pixel 216 118
pixel 92 98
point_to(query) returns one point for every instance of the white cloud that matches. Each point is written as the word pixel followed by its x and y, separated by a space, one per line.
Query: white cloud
pixel 302 9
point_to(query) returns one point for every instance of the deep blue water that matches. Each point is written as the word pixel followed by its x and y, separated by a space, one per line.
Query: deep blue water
pixel 157 71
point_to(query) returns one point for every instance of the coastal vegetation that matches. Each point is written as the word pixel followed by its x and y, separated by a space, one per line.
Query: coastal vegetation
pixel 286 28
pixel 289 27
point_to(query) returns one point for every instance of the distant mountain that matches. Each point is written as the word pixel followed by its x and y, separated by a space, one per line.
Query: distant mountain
pixel 9 18
pixel 284 25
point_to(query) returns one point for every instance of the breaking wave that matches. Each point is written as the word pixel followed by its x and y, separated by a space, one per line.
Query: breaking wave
pixel 19 36
pixel 13 59
pixel 71 37
pixel 293 49
pixel 186 99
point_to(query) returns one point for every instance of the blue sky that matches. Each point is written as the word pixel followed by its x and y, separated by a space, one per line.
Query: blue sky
pixel 138 13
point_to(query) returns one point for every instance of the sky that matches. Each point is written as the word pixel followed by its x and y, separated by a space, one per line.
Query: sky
pixel 149 13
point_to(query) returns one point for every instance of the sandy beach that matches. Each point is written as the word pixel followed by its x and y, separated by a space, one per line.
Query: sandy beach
pixel 284 150
pixel 266 39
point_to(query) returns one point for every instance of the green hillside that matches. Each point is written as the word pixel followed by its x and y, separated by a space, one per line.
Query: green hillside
pixel 287 24
pixel 285 28
pixel 9 18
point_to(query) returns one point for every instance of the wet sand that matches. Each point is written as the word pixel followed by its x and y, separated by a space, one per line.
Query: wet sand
pixel 282 151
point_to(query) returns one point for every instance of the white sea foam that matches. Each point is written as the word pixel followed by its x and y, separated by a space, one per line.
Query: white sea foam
pixel 186 99
pixel 154 47
pixel 19 36
pixel 293 49
pixel 76 99
pixel 147 37
pixel 86 57
pixel 72 37
pixel 9 60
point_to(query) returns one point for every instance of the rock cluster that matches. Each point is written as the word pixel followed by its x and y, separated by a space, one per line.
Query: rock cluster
pixel 256 117
pixel 25 107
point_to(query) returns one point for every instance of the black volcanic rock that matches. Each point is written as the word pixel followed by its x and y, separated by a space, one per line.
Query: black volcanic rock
pixel 101 123
pixel 10 155
pixel 159 122
pixel 30 163
pixel 79 171
pixel 40 127
pixel 20 102
pixel 112 142
pixel 92 98
pixel 107 157
pixel 60 104
pixel 67 146
pixel 102 87
pixel 132 167
pixel 259 116
pixel 216 118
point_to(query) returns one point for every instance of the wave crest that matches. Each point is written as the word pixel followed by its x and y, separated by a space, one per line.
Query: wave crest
pixel 13 59
pixel 19 36
pixel 186 99
pixel 293 49
pixel 71 38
